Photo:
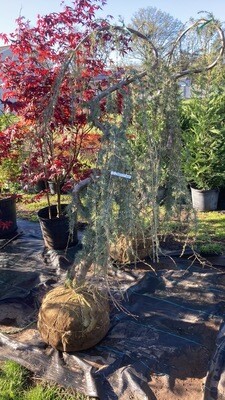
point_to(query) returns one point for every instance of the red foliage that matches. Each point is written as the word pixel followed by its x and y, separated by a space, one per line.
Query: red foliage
pixel 4 144
pixel 48 80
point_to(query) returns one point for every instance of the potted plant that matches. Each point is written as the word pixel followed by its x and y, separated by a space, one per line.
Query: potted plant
pixel 204 146
pixel 63 165
pixel 8 197
pixel 53 130
pixel 8 220
pixel 9 173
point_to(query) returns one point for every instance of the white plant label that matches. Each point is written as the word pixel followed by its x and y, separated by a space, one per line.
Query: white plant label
pixel 126 176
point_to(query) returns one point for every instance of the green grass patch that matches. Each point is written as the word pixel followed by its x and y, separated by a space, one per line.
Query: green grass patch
pixel 17 383
pixel 210 234
pixel 211 248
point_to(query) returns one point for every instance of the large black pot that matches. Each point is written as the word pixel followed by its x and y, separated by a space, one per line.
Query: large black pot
pixel 40 186
pixel 55 231
pixel 8 223
pixel 204 200
pixel 221 199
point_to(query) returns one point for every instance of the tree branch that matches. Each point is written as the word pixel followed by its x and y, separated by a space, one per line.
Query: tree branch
pixel 208 67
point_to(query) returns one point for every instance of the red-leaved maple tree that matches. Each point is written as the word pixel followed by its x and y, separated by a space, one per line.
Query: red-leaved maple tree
pixel 55 69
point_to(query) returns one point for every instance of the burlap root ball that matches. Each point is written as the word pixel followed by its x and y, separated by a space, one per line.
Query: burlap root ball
pixel 73 321
pixel 128 250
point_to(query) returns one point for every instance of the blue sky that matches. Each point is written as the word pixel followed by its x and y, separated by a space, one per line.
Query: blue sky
pixel 182 10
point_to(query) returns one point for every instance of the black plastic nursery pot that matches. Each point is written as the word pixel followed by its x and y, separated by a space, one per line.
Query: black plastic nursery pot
pixel 221 199
pixel 204 200
pixel 55 231
pixel 40 185
pixel 8 224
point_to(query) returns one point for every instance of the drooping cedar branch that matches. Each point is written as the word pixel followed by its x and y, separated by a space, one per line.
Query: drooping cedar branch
pixel 129 80
pixel 198 23
pixel 124 82
pixel 76 193
pixel 83 265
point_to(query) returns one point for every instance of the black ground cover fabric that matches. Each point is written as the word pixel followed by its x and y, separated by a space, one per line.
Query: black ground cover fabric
pixel 167 324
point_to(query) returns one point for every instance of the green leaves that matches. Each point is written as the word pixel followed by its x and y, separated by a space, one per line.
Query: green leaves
pixel 203 134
